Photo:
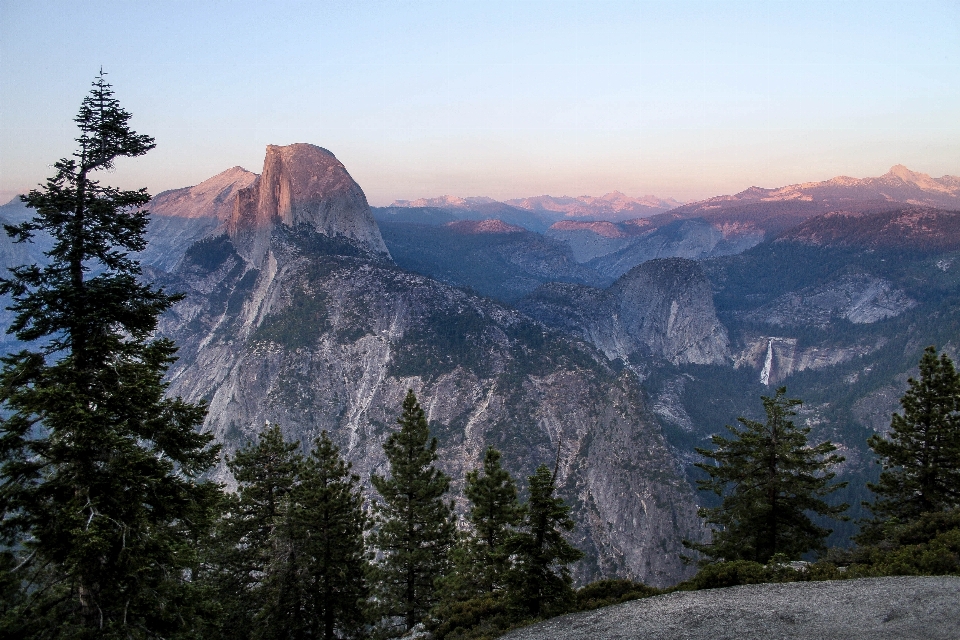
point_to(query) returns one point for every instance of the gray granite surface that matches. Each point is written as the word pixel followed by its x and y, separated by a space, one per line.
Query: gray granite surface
pixel 901 608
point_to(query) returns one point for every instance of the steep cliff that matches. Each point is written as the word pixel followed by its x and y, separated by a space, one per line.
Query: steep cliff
pixel 661 308
pixel 299 316
pixel 301 184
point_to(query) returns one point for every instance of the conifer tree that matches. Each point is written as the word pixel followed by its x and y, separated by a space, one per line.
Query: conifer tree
pixel 99 484
pixel 494 512
pixel 770 481
pixel 329 522
pixel 921 454
pixel 540 581
pixel 414 526
pixel 480 562
pixel 254 525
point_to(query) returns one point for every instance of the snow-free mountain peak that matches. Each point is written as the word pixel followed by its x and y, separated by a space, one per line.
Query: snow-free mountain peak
pixel 212 198
pixel 946 184
pixel 302 184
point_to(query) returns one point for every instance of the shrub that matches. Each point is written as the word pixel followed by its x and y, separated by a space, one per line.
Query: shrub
pixel 731 574
pixel 603 593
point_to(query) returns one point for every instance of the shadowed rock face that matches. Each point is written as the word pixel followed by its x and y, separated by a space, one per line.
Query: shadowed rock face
pixel 662 308
pixel 301 184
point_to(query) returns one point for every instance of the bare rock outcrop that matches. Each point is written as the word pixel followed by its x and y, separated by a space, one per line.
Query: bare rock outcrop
pixel 866 609
pixel 212 198
pixel 301 184
pixel 662 308
pixel 316 341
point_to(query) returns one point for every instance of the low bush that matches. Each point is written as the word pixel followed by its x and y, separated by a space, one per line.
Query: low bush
pixel 730 574
pixel 603 593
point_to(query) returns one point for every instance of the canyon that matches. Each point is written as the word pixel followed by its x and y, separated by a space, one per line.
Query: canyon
pixel 610 335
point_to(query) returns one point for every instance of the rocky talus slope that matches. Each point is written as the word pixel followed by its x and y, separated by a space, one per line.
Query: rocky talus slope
pixel 901 608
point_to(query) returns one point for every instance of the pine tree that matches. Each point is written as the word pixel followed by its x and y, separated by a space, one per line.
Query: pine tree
pixel 921 454
pixel 494 513
pixel 100 485
pixel 328 525
pixel 540 581
pixel 414 526
pixel 480 560
pixel 253 532
pixel 770 481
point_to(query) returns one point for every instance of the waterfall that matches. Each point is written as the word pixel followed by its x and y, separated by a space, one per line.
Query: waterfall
pixel 767 365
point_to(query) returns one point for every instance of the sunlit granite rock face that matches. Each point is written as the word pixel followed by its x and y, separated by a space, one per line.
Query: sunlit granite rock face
pixel 301 184
pixel 212 198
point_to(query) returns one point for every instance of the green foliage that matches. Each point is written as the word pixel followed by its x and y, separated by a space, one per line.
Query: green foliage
pixel 511 567
pixel 480 617
pixel 930 545
pixel 440 342
pixel 210 253
pixel 299 325
pixel 328 525
pixel 921 455
pixel 604 593
pixel 266 473
pixel 730 574
pixel 539 582
pixel 480 562
pixel 939 556
pixel 769 479
pixel 100 490
pixel 414 526
pixel 494 513
pixel 290 559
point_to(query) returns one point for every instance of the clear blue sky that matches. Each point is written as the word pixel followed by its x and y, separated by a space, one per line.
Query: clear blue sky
pixel 498 98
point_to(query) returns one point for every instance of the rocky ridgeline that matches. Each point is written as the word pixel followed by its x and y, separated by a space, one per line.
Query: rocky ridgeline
pixel 917 228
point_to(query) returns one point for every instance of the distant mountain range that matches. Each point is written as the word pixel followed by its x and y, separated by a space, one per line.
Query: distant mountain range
pixel 621 331
pixel 900 184
pixel 613 206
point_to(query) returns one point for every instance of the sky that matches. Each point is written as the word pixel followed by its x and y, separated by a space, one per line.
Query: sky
pixel 682 99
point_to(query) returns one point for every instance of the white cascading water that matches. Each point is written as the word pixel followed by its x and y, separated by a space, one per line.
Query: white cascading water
pixel 767 365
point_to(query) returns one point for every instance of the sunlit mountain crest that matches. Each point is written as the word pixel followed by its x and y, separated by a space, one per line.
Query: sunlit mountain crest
pixel 900 184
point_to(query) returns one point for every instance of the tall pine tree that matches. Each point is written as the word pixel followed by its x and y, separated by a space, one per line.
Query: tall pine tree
pixel 494 513
pixel 414 526
pixel 253 526
pixel 770 481
pixel 480 560
pixel 329 522
pixel 540 582
pixel 99 484
pixel 921 454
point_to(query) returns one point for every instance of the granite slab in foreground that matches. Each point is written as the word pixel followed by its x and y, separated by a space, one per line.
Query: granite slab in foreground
pixel 901 608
